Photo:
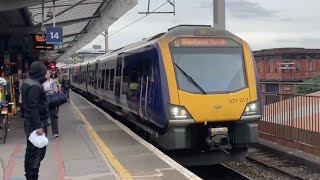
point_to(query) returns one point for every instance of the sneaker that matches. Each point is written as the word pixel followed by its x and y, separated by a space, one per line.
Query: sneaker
pixel 55 135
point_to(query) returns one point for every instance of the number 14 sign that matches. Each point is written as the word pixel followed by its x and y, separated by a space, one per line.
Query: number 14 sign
pixel 54 35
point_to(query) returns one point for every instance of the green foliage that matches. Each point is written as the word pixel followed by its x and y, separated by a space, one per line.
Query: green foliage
pixel 307 89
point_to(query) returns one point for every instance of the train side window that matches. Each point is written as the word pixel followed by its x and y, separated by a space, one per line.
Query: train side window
pixel 99 79
pixel 95 79
pixel 103 78
pixel 111 80
pixel 85 76
pixel 149 70
pixel 125 78
pixel 82 77
pixel 133 83
pixel 91 78
pixel 107 79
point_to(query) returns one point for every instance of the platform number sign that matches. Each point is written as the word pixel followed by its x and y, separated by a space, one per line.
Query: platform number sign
pixel 54 35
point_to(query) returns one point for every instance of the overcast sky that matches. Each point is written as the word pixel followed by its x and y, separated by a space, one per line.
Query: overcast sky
pixel 262 23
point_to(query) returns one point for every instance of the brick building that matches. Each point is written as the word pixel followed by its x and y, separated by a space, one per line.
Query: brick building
pixel 286 65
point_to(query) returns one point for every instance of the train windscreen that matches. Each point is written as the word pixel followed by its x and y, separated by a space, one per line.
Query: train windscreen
pixel 209 70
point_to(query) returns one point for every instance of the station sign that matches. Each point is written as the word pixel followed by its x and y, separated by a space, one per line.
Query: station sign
pixel 54 35
pixel 287 65
pixel 96 46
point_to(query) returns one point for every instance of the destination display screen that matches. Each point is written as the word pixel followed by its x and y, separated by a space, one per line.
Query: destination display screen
pixel 40 43
pixel 203 42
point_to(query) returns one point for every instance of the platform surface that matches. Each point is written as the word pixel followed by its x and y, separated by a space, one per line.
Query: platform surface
pixel 92 145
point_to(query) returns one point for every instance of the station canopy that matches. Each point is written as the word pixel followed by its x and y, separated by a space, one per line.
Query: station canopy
pixel 81 20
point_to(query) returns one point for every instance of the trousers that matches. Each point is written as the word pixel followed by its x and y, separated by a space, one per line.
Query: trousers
pixel 32 161
pixel 53 112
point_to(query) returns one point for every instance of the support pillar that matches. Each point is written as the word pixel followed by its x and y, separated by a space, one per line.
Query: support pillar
pixel 219 8
pixel 106 40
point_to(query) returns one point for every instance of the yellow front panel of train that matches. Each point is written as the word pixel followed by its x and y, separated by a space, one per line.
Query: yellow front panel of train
pixel 216 107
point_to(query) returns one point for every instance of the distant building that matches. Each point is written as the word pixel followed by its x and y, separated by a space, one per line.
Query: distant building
pixel 286 65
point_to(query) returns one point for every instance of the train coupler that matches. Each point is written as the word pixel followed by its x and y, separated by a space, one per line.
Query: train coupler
pixel 218 138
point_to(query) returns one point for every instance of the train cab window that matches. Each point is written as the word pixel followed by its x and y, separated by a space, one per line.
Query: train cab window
pixel 209 70
pixel 103 78
pixel 107 79
pixel 111 85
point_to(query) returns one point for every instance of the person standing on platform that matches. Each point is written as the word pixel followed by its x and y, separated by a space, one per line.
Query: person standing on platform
pixel 34 102
pixel 65 85
pixel 50 87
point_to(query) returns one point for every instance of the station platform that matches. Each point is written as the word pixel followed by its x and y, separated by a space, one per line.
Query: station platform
pixel 91 146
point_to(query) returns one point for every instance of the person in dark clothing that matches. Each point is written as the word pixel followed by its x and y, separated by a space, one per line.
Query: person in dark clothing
pixel 65 84
pixel 34 102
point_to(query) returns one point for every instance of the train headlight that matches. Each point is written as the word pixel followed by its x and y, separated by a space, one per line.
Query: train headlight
pixel 179 112
pixel 252 109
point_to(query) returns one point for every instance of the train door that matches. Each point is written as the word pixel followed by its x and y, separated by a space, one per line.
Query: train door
pixel 145 84
pixel 118 78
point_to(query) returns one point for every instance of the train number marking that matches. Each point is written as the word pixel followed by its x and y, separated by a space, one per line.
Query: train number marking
pixel 240 100
pixel 233 101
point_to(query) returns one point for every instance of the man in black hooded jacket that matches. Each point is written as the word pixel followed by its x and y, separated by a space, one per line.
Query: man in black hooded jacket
pixel 34 102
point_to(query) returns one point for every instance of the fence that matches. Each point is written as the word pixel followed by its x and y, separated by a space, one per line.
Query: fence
pixel 292 120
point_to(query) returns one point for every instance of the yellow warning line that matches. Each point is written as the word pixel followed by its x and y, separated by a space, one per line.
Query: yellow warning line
pixel 123 173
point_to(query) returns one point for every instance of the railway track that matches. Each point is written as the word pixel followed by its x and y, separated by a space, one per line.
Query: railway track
pixel 221 171
pixel 266 164
pixel 294 169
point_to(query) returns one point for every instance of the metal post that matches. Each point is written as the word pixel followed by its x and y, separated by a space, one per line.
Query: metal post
pixel 54 13
pixel 219 8
pixel 106 40
pixel 174 7
pixel 42 25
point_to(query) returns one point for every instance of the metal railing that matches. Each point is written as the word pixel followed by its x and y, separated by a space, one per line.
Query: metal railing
pixel 291 117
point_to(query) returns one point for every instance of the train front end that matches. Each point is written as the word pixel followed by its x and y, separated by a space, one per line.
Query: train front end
pixel 214 93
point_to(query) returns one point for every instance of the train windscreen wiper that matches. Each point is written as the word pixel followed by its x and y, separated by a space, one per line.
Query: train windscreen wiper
pixel 190 78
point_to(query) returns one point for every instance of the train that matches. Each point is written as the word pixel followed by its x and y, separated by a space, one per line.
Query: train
pixel 193 89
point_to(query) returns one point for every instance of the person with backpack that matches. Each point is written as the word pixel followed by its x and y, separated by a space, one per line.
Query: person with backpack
pixel 34 102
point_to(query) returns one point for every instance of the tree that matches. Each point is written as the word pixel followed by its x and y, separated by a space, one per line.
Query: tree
pixel 310 88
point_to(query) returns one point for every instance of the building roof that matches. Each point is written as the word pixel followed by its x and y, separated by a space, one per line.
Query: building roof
pixel 82 20
pixel 277 51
